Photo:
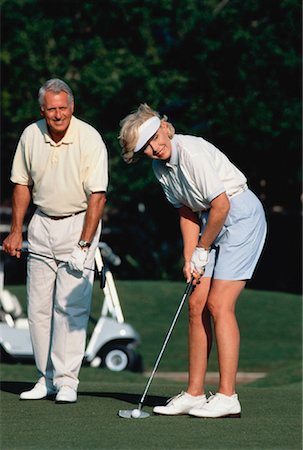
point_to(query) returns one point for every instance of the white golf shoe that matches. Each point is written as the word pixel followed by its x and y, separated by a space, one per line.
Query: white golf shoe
pixel 180 404
pixel 219 406
pixel 39 391
pixel 66 394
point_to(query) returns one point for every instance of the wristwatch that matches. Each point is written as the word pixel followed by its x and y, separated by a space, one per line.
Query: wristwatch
pixel 83 244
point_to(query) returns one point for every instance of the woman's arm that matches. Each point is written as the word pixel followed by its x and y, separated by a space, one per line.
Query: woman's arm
pixel 219 209
pixel 190 229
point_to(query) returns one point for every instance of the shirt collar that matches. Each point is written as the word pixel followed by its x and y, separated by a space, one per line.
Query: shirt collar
pixel 68 138
pixel 174 157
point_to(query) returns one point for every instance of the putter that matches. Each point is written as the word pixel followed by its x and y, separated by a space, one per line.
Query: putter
pixel 138 413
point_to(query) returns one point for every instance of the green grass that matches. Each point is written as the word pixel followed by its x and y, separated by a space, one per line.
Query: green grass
pixel 93 423
pixel 271 332
pixel 270 324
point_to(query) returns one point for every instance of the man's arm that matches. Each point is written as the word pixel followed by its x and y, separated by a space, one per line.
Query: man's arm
pixel 94 213
pixel 20 202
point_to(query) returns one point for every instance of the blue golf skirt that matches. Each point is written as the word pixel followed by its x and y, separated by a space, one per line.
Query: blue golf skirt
pixel 239 245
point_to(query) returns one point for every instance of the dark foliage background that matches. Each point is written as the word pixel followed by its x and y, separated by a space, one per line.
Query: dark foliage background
pixel 229 71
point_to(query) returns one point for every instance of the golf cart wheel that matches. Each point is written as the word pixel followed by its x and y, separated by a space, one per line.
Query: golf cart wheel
pixel 119 358
pixel 4 356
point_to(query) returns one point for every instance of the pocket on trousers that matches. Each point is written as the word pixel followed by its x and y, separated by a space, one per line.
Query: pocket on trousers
pixel 31 229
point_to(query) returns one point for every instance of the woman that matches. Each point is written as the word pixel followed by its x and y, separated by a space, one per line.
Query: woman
pixel 223 229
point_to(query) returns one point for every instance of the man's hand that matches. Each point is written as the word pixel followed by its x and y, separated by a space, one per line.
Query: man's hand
pixel 12 244
pixel 77 259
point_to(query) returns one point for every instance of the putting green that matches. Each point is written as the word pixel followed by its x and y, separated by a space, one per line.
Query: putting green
pixel 271 419
pixel 271 331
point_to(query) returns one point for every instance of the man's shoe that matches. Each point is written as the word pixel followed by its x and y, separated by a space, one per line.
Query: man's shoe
pixel 66 394
pixel 38 392
pixel 181 404
pixel 219 406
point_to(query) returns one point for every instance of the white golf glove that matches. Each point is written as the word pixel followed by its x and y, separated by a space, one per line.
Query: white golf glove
pixel 77 259
pixel 199 260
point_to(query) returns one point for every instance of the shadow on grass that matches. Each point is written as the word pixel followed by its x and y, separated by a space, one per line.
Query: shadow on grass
pixel 16 387
pixel 150 400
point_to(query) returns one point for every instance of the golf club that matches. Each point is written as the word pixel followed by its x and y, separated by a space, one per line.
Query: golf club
pixel 138 413
pixel 100 271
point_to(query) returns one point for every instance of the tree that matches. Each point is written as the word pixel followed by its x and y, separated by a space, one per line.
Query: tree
pixel 229 71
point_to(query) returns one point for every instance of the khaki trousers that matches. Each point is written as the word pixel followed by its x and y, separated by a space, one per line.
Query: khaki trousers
pixel 59 299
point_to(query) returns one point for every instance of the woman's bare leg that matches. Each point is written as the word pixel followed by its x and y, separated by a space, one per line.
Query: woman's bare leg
pixel 221 303
pixel 199 337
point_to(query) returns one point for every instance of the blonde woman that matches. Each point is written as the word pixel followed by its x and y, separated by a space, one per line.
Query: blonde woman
pixel 223 228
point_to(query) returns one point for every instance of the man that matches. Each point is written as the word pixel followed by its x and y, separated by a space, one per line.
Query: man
pixel 61 164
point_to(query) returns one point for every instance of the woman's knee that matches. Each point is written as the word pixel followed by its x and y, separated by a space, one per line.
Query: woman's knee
pixel 223 297
pixel 219 307
pixel 213 308
pixel 194 313
pixel 195 310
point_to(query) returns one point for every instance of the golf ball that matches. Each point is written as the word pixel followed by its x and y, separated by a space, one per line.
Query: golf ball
pixel 135 413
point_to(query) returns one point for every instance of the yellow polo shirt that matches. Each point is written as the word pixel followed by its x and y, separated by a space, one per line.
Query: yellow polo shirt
pixel 63 174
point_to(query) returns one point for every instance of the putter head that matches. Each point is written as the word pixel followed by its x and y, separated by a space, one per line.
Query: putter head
pixel 128 414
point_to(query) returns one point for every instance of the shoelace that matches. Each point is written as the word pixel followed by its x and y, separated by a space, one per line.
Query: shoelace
pixel 175 397
pixel 212 396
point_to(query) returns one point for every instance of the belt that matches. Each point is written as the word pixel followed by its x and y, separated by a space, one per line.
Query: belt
pixel 62 217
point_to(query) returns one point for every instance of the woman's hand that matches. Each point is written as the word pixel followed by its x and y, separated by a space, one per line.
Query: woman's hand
pixel 187 271
pixel 195 268
pixel 199 260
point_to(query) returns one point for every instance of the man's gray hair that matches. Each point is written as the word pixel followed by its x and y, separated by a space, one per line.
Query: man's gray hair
pixel 55 85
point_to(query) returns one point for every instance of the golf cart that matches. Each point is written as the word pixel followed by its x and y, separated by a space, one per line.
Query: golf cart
pixel 112 344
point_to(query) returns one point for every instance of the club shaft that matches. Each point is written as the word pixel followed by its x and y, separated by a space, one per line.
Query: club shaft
pixel 53 259
pixel 186 293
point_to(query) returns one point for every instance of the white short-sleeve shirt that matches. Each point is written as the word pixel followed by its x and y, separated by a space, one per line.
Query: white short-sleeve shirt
pixel 63 174
pixel 196 173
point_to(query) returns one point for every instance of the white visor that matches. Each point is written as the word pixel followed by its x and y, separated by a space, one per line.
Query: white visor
pixel 146 131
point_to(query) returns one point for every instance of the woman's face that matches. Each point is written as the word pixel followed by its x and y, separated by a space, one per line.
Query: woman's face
pixel 159 146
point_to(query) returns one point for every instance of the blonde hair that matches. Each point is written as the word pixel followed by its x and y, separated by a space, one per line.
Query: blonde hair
pixel 128 136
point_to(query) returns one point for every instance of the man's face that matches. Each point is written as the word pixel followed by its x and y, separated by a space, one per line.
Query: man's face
pixel 57 111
